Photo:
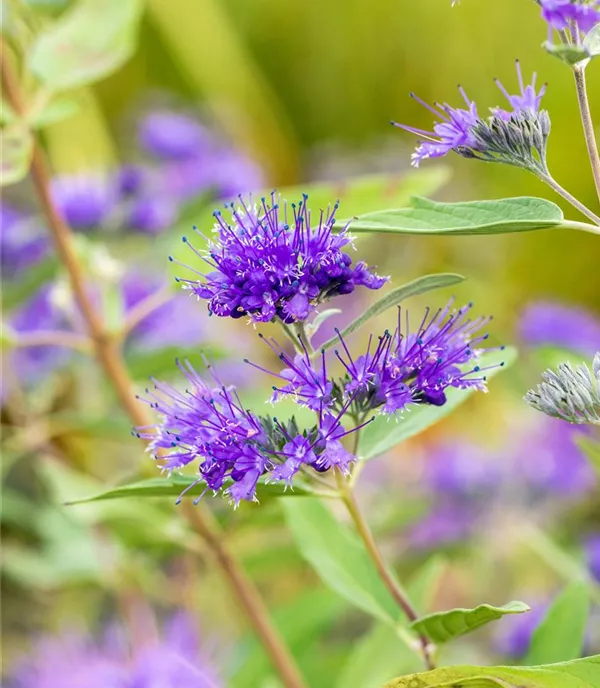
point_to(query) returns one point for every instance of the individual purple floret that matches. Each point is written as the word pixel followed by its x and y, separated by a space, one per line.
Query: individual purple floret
pixel 271 262
pixel 86 201
pixel 171 135
pixel 401 369
pixel 508 136
pixel 528 100
pixel 562 14
pixel 516 631
pixel 592 553
pixel 548 323
pixel 452 132
pixel 76 661
pixel 233 446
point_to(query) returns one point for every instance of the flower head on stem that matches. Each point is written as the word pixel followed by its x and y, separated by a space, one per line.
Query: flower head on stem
pixel 271 261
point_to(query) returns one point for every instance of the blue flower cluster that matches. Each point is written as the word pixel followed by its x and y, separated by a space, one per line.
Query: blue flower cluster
pixel 275 262
pixel 236 448
pixel 402 369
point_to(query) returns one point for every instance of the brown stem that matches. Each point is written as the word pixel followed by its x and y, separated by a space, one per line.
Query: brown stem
pixel 389 581
pixel 110 358
pixel 588 124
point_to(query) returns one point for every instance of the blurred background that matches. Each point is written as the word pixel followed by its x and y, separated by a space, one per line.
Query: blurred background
pixel 222 97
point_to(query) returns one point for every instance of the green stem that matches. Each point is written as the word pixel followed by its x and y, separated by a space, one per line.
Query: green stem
pixel 588 124
pixel 399 595
pixel 553 184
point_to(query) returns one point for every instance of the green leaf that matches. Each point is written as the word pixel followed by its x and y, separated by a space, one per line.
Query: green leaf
pixel 338 557
pixel 386 432
pixel 174 485
pixel 571 54
pixel 521 214
pixel 592 41
pixel 16 149
pixel 561 635
pixel 583 673
pixel 88 42
pixel 444 626
pixel 421 285
pixel 591 449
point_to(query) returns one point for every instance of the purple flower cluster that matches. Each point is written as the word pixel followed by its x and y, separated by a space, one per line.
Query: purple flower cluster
pixel 456 129
pixel 564 14
pixel 74 661
pixel 233 446
pixel 401 369
pixel 270 262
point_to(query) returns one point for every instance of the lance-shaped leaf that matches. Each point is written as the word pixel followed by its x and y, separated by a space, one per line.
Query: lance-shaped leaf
pixel 444 626
pixel 173 485
pixel 421 285
pixel 521 214
pixel 583 673
pixel 339 557
pixel 386 432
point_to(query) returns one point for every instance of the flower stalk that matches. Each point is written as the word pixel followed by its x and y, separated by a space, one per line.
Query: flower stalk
pixel 555 186
pixel 399 595
pixel 588 124
pixel 109 356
